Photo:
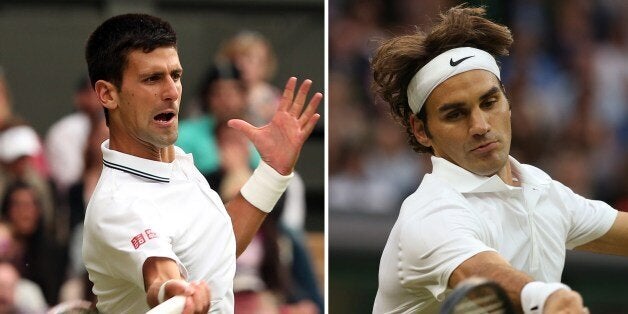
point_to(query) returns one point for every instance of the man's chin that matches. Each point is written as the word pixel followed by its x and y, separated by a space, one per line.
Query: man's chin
pixel 166 140
pixel 489 167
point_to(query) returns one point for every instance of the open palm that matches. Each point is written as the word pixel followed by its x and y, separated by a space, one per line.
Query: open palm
pixel 280 141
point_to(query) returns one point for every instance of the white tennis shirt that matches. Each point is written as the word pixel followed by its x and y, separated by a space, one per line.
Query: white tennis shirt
pixel 142 208
pixel 455 214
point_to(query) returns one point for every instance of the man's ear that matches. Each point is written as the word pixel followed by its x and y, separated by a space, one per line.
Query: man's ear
pixel 107 94
pixel 419 131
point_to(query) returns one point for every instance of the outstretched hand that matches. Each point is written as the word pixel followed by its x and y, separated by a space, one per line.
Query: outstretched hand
pixel 280 141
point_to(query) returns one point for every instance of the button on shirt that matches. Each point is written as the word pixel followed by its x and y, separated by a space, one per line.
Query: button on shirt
pixel 455 214
pixel 143 208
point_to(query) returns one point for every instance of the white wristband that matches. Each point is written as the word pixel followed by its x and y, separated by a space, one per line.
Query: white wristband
pixel 162 291
pixel 534 294
pixel 264 187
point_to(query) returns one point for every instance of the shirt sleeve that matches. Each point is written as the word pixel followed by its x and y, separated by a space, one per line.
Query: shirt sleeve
pixel 132 233
pixel 433 245
pixel 589 219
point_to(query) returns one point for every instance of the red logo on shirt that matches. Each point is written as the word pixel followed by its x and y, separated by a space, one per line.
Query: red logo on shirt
pixel 150 234
pixel 139 239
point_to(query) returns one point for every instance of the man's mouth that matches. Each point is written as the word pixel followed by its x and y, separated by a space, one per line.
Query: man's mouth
pixel 485 147
pixel 164 117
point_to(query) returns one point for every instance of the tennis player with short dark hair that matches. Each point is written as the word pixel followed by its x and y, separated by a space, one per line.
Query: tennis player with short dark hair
pixel 153 227
pixel 480 212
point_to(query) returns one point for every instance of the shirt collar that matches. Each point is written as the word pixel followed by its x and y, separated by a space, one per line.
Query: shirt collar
pixel 145 168
pixel 465 181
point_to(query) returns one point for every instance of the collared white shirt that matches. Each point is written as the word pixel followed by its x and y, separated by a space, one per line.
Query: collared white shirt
pixel 455 214
pixel 143 208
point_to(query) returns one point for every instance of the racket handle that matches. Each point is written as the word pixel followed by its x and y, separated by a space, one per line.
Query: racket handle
pixel 173 305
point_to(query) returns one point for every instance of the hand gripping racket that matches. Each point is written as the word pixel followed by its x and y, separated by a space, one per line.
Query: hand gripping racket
pixel 477 296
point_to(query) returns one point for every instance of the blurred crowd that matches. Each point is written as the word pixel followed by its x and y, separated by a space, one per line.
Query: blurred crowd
pixel 46 181
pixel 566 79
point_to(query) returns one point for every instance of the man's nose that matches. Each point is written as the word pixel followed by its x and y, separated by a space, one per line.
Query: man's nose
pixel 171 89
pixel 479 122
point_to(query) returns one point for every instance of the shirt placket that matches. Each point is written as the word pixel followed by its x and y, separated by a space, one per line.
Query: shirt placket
pixel 530 197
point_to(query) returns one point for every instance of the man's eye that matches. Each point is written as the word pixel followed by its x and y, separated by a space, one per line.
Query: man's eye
pixel 453 115
pixel 489 103
pixel 152 79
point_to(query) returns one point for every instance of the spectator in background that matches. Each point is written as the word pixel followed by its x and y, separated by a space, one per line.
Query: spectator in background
pixel 371 168
pixel 274 274
pixel 81 191
pixel 253 56
pixel 37 257
pixel 19 149
pixel 351 189
pixel 24 294
pixel 66 157
pixel 222 98
pixel 235 168
pixel 391 161
pixel 360 155
pixel 78 286
pixel 345 132
pixel 8 119
pixel 22 156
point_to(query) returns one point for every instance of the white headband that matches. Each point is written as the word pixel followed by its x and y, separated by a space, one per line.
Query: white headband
pixel 444 66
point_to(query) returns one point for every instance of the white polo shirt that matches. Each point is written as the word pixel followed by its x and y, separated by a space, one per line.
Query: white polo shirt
pixel 142 208
pixel 455 214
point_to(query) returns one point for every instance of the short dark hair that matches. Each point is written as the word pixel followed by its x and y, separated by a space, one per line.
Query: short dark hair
pixel 109 45
pixel 398 59
pixel 217 71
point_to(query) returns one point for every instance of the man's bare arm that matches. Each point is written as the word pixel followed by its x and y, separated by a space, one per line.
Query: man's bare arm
pixel 246 220
pixel 158 270
pixel 615 241
pixel 492 266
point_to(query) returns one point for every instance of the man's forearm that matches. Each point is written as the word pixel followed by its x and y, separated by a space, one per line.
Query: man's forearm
pixel 492 266
pixel 246 220
pixel 156 271
pixel 505 275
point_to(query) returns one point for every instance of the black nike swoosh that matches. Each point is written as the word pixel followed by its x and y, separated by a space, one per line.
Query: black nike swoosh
pixel 455 63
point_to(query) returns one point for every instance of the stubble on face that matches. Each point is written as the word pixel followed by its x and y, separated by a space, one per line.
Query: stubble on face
pixel 149 101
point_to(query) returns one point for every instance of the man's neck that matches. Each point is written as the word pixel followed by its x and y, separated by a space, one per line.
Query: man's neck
pixel 164 154
pixel 507 175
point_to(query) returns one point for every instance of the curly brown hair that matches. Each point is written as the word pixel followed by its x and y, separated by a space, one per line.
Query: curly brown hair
pixel 398 59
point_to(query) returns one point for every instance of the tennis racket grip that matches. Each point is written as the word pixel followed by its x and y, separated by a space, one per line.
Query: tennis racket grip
pixel 173 305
